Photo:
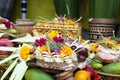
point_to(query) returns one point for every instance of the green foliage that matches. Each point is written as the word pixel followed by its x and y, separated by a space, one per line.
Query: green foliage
pixel 55 46
pixel 70 8
pixel 103 8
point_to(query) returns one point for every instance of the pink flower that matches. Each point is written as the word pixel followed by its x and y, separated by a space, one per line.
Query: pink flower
pixel 7 23
pixel 58 40
pixel 40 42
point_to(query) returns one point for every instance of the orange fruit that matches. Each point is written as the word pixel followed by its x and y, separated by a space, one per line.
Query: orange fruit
pixel 82 75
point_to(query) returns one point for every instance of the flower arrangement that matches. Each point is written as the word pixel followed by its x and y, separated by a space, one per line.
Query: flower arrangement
pixel 8 24
pixel 52 51
pixel 55 48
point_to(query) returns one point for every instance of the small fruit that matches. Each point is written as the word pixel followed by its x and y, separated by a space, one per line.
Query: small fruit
pixel 83 51
pixel 90 71
pixel 82 75
pixel 81 58
pixel 82 54
pixel 96 64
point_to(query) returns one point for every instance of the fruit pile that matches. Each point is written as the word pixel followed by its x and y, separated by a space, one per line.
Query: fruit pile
pixel 107 57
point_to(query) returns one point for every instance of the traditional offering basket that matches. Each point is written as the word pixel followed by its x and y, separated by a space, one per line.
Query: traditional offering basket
pixel 71 30
pixel 106 76
pixel 100 26
pixel 54 67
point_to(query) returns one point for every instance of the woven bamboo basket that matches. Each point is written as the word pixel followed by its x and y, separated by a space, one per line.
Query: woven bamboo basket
pixel 107 76
pixel 3 67
pixel 102 25
pixel 71 30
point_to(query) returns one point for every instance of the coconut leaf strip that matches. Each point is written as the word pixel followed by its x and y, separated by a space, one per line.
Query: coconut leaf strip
pixel 15 71
pixel 9 58
pixel 9 69
pixel 22 69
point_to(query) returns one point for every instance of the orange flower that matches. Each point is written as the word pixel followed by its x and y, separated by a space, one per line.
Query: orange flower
pixel 25 51
pixel 118 44
pixel 70 21
pixel 95 47
pixel 66 50
pixel 43 48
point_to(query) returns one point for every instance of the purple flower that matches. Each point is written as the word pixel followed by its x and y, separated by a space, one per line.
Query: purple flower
pixel 58 40
pixel 61 19
pixel 57 51
pixel 68 42
pixel 40 42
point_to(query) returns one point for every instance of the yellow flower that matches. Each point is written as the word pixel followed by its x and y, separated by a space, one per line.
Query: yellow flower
pixel 95 47
pixel 25 51
pixel 70 21
pixel 53 34
pixel 66 50
pixel 43 48
pixel 83 40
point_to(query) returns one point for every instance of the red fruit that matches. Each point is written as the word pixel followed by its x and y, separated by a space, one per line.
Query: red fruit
pixel 7 43
pixel 93 74
pixel 96 76
pixel 83 51
pixel 81 58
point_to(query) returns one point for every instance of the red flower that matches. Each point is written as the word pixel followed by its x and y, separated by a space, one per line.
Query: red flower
pixel 40 42
pixel 58 40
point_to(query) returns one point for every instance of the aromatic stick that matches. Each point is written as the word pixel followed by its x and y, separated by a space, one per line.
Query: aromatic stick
pixel 68 10
pixel 48 47
pixel 78 33
pixel 78 19
pixel 100 34
pixel 41 18
pixel 65 34
pixel 113 33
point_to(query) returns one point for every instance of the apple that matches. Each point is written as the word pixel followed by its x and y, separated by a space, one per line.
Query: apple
pixel 93 74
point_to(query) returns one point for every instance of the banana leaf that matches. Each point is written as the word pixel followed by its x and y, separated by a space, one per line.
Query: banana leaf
pixel 103 8
pixel 70 8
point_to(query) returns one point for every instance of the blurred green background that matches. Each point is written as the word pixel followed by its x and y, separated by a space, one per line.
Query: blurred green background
pixel 46 9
